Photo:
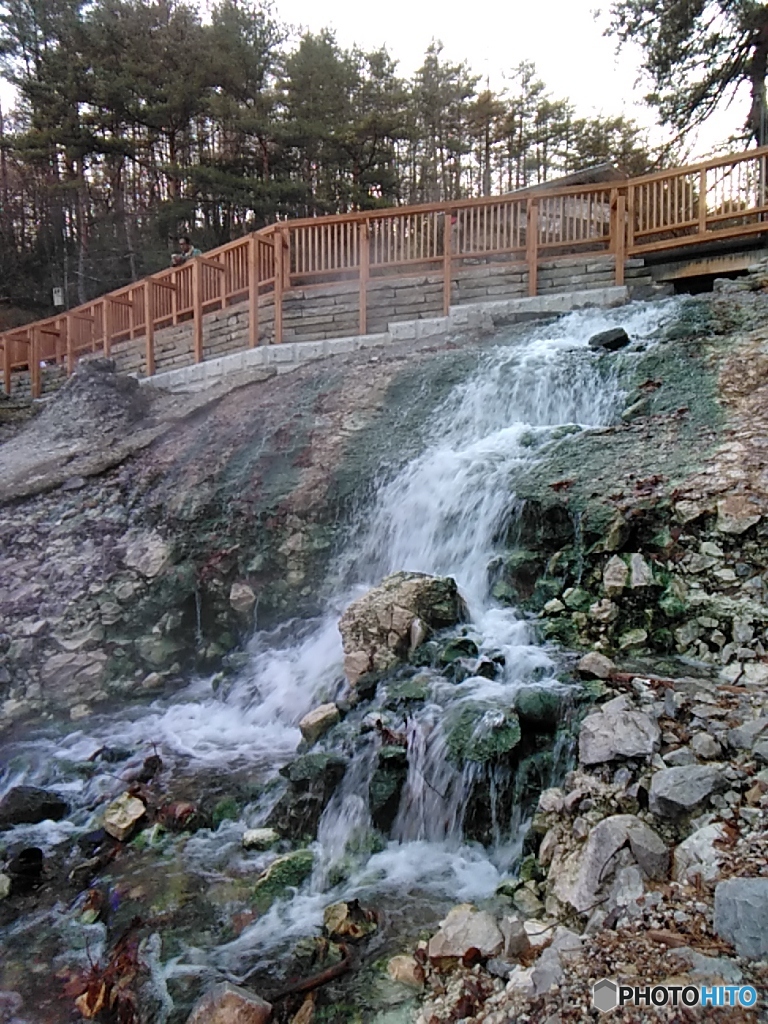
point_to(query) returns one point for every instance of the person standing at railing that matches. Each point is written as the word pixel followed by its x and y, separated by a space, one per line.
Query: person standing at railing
pixel 188 252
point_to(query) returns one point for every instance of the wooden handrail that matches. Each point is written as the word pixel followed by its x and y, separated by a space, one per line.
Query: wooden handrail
pixel 653 212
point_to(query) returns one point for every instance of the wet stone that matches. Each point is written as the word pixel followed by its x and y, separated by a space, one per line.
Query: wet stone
pixel 28 805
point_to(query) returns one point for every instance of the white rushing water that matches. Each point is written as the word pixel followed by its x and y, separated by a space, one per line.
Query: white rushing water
pixel 440 514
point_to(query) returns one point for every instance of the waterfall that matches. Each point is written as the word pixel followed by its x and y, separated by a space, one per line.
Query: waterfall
pixel 441 513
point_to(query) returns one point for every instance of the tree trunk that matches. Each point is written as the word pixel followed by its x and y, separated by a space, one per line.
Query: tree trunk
pixel 757 72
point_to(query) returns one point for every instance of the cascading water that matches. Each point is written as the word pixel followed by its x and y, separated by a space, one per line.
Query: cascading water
pixel 441 514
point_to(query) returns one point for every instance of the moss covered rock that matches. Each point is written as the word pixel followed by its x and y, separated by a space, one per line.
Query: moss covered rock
pixel 283 874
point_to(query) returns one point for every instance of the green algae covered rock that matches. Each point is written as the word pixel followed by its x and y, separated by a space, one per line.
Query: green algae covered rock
pixel 285 873
pixel 480 733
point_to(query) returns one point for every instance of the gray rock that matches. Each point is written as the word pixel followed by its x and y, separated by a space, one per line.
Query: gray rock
pixel 617 731
pixel 609 341
pixel 516 941
pixel 708 969
pixel 376 628
pixel 741 915
pixel 676 792
pixel 681 756
pixel 706 746
pixel 547 972
pixel 28 805
pixel 743 737
pixel 499 968
pixel 648 848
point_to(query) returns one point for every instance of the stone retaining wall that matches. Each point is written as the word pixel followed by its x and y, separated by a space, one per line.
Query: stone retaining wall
pixel 333 311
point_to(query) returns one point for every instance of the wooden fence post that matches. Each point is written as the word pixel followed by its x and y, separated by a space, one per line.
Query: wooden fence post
pixel 34 361
pixel 197 310
pixel 447 259
pixel 149 326
pixel 620 236
pixel 278 293
pixel 365 260
pixel 67 326
pixel 532 246
pixel 253 291
pixel 107 304
pixel 703 201
pixel 7 365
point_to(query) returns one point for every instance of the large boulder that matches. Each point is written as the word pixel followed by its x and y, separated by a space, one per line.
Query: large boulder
pixel 229 1004
pixel 686 789
pixel 580 875
pixel 741 915
pixel 617 730
pixel 380 628
pixel 28 805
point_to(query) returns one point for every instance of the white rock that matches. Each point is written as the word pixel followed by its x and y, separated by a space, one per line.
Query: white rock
pixel 697 856
pixel 5 886
pixel 615 576
pixel 147 553
pixel 640 572
pixel 406 970
pixel 241 598
pixel 122 816
pixel 260 838
pixel 318 721
pixel 736 514
pixel 595 666
pixel 521 980
pixel 463 929
pixel 550 801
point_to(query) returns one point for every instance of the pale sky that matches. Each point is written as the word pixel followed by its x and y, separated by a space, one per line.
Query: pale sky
pixel 562 37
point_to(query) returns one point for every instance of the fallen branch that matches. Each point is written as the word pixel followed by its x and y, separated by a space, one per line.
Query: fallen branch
pixel 309 984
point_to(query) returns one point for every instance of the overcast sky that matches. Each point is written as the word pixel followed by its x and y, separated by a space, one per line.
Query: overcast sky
pixel 562 37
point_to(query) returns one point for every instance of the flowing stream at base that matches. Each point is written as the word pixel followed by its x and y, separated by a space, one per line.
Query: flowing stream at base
pixel 441 514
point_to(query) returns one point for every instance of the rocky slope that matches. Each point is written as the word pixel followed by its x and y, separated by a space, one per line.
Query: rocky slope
pixel 142 533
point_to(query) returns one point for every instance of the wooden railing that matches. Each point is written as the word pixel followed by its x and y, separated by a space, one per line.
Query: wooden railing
pixel 722 198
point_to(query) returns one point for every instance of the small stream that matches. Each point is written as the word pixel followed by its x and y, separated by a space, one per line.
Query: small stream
pixel 443 513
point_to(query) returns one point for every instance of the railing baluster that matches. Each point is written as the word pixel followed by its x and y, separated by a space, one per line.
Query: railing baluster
pixel 364 257
pixel 532 246
pixel 149 326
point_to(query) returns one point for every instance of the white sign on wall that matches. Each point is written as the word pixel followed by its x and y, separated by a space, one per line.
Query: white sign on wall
pixel 58 296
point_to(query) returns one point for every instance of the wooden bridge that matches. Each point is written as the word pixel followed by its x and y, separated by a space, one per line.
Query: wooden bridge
pixel 354 272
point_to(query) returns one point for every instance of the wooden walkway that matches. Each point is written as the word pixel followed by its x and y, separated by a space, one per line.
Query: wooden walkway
pixel 723 198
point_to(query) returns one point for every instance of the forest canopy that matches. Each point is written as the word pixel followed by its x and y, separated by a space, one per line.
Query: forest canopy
pixel 137 120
